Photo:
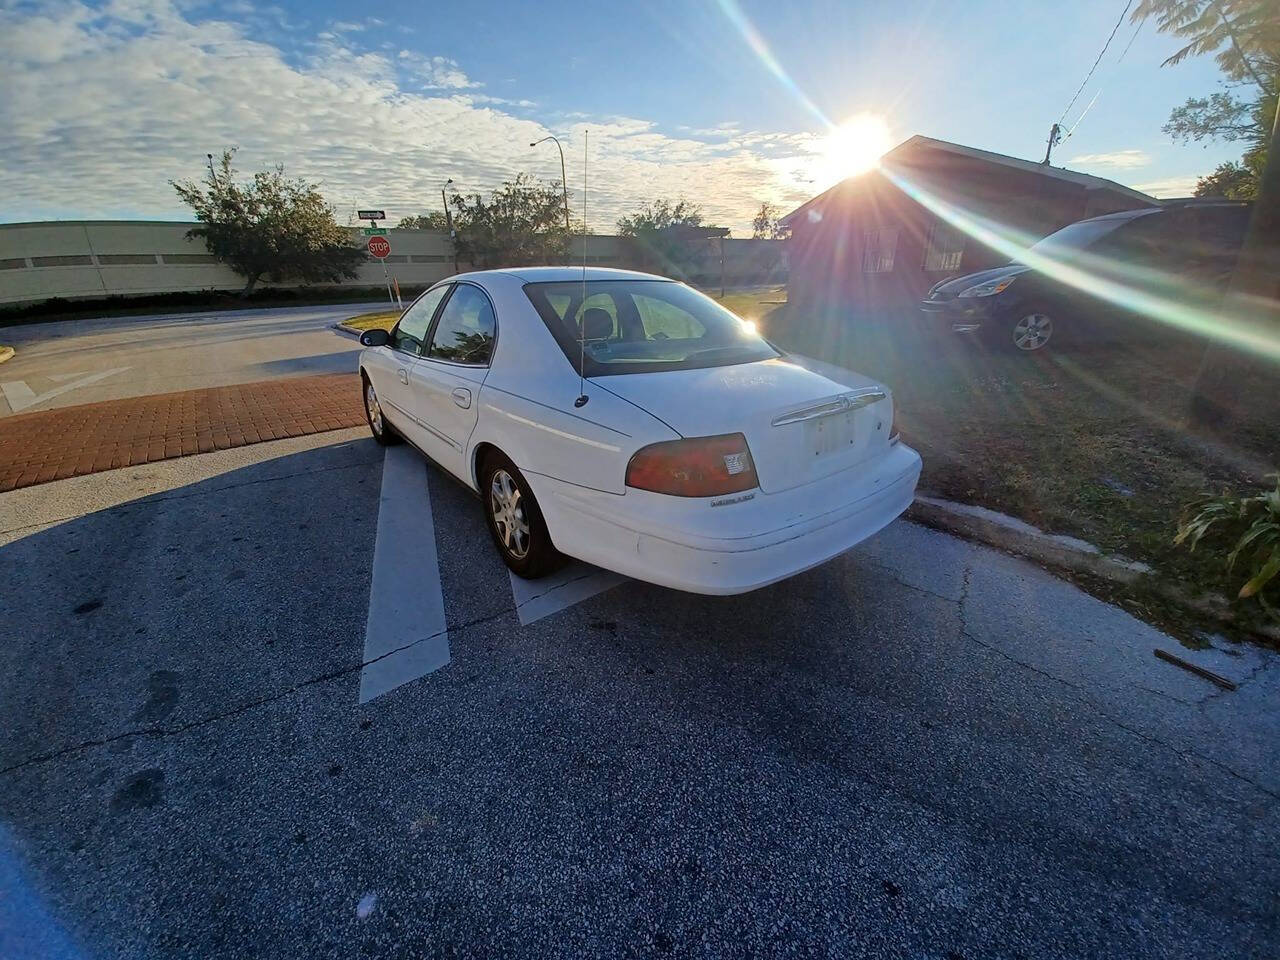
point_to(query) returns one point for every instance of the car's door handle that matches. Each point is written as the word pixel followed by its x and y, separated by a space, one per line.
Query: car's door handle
pixel 462 397
pixel 403 375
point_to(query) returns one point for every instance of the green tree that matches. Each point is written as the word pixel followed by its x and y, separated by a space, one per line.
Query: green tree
pixel 1244 37
pixel 1229 180
pixel 435 220
pixel 668 236
pixel 765 224
pixel 519 224
pixel 660 215
pixel 270 226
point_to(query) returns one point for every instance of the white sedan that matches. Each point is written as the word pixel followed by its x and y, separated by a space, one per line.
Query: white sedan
pixel 691 452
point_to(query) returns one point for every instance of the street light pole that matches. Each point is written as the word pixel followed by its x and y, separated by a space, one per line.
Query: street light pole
pixel 212 176
pixel 564 181
pixel 448 221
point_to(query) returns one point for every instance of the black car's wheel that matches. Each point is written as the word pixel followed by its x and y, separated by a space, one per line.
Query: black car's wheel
pixel 515 522
pixel 1027 330
pixel 382 431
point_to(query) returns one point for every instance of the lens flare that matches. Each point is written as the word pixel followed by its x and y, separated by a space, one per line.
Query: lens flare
pixel 734 14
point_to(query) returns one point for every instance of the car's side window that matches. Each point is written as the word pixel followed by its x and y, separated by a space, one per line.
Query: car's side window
pixel 466 329
pixel 411 332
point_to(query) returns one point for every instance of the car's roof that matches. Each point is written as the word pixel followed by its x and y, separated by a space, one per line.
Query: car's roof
pixel 1124 214
pixel 562 274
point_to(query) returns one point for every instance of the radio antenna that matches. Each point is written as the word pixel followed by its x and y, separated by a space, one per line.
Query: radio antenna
pixel 582 327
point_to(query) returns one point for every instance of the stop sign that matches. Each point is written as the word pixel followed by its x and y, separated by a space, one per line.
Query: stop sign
pixel 379 247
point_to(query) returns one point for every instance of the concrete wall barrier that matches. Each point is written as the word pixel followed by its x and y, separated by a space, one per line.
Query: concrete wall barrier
pixel 100 258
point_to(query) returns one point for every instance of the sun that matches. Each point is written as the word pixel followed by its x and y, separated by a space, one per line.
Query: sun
pixel 853 147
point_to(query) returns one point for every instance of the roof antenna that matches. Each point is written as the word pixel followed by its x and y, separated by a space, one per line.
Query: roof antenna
pixel 582 327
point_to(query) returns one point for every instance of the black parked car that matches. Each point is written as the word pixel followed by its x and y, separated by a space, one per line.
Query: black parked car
pixel 1096 279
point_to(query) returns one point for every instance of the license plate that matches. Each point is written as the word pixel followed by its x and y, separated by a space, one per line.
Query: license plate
pixel 831 434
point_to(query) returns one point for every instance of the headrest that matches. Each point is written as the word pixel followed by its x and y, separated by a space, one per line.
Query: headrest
pixel 596 324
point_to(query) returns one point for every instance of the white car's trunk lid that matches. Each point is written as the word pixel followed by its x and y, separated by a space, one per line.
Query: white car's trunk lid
pixel 800 425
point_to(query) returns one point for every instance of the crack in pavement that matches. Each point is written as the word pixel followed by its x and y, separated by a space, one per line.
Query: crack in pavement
pixel 240 708
pixel 965 633
pixel 1253 675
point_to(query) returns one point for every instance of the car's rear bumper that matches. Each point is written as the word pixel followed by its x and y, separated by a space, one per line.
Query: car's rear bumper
pixel 822 520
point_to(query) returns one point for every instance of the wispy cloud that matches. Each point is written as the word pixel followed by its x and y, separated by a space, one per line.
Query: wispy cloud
pixel 104 105
pixel 1118 160
pixel 434 73
pixel 1168 187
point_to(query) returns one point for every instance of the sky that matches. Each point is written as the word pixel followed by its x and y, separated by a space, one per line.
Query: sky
pixel 728 103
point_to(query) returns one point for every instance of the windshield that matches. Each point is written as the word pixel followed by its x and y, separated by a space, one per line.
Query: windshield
pixel 635 326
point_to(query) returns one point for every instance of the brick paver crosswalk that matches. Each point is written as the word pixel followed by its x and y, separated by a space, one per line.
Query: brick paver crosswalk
pixel 53 444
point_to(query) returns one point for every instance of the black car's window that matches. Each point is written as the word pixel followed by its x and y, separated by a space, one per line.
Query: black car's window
pixel 633 326
pixel 1077 237
pixel 1220 230
pixel 466 328
pixel 411 332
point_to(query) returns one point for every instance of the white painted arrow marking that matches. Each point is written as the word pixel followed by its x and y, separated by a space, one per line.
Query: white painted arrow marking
pixel 19 396
pixel 570 585
pixel 406 636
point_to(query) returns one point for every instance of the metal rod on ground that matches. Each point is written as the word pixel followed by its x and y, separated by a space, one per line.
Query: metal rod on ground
pixel 1199 671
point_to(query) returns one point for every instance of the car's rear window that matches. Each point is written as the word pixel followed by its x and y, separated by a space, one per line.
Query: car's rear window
pixel 635 326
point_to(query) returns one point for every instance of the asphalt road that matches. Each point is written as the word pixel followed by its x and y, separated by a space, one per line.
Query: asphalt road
pixel 921 749
pixel 80 361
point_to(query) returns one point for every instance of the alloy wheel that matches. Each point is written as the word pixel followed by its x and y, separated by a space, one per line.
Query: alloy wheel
pixel 508 514
pixel 1033 331
pixel 373 408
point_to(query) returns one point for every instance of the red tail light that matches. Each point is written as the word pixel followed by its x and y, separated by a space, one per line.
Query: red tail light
pixel 699 467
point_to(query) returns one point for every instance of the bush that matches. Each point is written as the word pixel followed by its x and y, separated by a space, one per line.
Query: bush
pixel 1253 521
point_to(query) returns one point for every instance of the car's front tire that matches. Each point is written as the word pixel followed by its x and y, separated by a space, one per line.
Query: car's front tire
pixel 382 431
pixel 515 522
pixel 1028 330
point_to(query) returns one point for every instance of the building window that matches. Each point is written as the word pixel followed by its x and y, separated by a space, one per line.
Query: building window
pixel 944 248
pixel 878 247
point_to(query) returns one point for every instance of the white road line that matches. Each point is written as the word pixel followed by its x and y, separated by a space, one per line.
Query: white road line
pixel 571 584
pixel 406 635
pixel 19 396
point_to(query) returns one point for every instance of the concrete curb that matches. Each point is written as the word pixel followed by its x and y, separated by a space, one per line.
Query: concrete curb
pixel 6 353
pixel 347 331
pixel 1067 553
pixel 1016 536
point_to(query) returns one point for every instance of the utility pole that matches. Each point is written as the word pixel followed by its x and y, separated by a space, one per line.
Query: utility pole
pixel 1055 138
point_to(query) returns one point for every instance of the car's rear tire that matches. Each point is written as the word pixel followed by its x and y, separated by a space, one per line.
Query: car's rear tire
pixel 382 431
pixel 514 520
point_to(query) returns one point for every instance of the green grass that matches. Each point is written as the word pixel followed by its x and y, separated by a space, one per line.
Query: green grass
pixel 1092 441
pixel 382 320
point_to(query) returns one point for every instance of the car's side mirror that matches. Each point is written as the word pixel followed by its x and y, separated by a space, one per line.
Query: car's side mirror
pixel 375 338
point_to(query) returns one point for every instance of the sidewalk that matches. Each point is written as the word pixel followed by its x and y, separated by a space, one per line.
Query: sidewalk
pixel 53 444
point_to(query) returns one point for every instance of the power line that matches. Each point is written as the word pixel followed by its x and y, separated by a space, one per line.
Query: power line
pixel 1086 110
pixel 1088 76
